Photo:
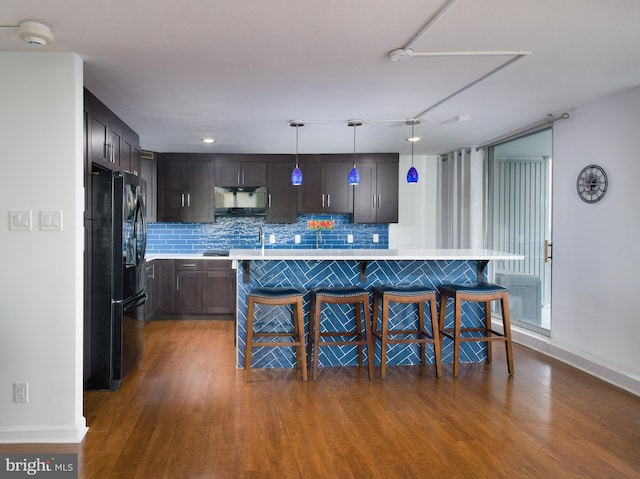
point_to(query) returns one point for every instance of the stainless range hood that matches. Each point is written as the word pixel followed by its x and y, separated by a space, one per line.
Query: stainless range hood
pixel 240 201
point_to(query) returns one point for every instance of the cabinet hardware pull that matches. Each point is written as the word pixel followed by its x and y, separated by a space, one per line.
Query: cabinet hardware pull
pixel 177 283
pixel 182 199
pixel 189 265
pixel 188 200
pixel 269 197
pixel 323 200
pixel 328 200
pixel 243 177
pixel 379 201
pixel 238 176
pixel 373 201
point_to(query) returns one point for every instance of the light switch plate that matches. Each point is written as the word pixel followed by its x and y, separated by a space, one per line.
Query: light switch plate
pixel 349 238
pixel 376 238
pixel 272 239
pixel 20 220
pixel 51 220
pixel 296 239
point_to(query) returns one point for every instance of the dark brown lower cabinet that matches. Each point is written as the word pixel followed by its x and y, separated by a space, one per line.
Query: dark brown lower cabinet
pixel 186 287
pixel 218 288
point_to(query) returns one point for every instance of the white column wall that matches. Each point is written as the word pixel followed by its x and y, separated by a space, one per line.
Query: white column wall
pixel 416 227
pixel 41 281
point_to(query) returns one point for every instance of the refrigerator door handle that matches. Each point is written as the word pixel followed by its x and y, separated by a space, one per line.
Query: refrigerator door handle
pixel 135 301
pixel 140 216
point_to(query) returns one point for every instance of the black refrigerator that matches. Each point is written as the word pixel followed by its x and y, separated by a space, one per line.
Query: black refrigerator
pixel 118 293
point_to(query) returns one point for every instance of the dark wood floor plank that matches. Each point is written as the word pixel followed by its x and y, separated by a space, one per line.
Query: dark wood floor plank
pixel 187 412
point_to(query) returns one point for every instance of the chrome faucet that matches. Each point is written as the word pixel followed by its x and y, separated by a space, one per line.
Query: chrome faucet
pixel 318 238
pixel 261 237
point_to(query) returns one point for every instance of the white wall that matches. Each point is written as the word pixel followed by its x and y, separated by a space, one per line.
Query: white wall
pixel 41 280
pixel 416 226
pixel 596 247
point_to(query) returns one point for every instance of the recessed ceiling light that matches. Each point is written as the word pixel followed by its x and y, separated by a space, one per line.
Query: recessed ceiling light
pixel 208 140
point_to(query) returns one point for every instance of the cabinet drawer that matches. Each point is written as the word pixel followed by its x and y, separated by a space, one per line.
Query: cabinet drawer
pixel 216 265
pixel 188 265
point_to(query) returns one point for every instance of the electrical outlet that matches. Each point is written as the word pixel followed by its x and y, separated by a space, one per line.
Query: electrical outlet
pixel 296 239
pixel 376 238
pixel 20 392
pixel 272 239
pixel 349 238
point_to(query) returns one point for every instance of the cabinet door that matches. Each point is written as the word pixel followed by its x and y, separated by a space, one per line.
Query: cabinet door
pixel 199 192
pixel 188 292
pixel 387 192
pixel 364 197
pixel 218 288
pixel 126 154
pixel 310 192
pixel 227 173
pixel 115 147
pixel 100 151
pixel 149 276
pixel 172 178
pixel 338 192
pixel 164 290
pixel 282 204
pixel 253 173
pixel 136 161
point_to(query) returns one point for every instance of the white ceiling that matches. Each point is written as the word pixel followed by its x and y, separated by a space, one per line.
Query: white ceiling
pixel 239 70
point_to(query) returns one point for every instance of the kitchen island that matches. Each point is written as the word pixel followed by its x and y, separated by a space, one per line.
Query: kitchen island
pixel 307 268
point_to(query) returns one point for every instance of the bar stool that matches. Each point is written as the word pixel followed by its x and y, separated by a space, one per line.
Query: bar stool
pixel 479 293
pixel 339 295
pixel 409 295
pixel 277 297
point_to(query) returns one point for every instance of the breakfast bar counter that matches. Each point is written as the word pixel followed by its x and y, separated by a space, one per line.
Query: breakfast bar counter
pixel 307 268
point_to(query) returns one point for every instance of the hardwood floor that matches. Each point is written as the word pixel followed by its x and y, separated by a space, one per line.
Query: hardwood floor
pixel 188 413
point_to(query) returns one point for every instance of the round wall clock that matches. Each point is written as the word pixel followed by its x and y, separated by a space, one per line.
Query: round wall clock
pixel 592 183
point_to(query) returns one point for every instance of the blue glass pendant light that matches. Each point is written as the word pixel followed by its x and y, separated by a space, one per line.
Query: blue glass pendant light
pixel 296 174
pixel 354 174
pixel 412 174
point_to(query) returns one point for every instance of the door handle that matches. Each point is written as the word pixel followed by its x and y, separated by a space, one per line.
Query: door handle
pixel 547 249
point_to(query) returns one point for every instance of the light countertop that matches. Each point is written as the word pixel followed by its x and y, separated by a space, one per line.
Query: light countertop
pixel 371 254
pixel 349 254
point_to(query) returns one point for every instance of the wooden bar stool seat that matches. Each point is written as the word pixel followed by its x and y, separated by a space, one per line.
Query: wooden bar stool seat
pixel 281 296
pixel 339 295
pixel 418 334
pixel 480 293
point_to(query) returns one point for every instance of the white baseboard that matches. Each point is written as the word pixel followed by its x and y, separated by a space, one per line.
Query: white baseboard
pixel 42 434
pixel 544 345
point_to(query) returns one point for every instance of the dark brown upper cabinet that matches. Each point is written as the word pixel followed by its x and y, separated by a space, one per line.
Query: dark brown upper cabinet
pixel 112 144
pixel 240 172
pixel 375 199
pixel 282 196
pixel 185 189
pixel 325 188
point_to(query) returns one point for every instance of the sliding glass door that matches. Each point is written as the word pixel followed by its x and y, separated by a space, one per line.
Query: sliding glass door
pixel 519 212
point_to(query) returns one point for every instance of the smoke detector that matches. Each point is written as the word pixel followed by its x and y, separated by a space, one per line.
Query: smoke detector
pixel 35 33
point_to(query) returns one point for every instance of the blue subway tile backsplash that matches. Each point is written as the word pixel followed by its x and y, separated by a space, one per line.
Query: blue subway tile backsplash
pixel 242 232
